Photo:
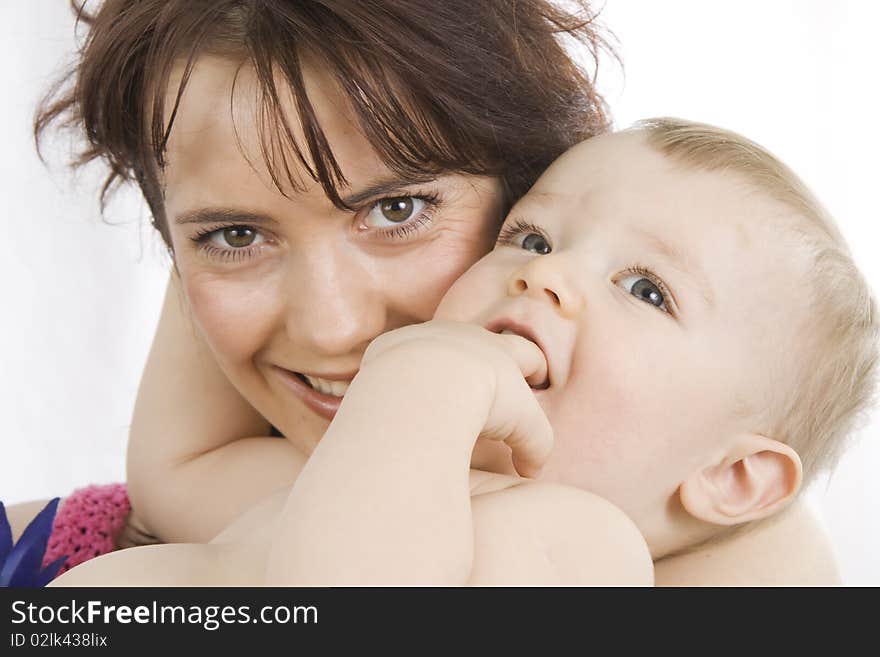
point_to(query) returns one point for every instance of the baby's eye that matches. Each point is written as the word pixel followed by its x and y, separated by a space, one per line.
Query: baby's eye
pixel 645 289
pixel 536 244
pixel 524 235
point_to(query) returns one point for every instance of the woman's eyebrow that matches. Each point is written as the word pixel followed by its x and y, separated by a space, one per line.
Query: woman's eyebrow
pixel 383 187
pixel 377 189
pixel 213 215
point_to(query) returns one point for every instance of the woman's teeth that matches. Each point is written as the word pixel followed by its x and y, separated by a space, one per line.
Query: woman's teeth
pixel 335 388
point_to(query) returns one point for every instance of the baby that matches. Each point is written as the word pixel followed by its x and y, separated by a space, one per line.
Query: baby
pixel 669 339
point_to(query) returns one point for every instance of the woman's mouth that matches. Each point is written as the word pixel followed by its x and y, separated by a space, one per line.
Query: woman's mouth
pixel 319 394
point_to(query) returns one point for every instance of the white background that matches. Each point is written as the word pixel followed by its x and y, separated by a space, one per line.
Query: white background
pixel 80 298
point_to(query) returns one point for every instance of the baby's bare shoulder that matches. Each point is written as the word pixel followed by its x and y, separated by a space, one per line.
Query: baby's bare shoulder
pixel 549 534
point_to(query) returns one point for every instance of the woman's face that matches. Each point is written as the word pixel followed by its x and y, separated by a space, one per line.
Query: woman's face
pixel 288 291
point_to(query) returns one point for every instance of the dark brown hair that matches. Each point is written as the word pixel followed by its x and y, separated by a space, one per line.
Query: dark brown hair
pixel 485 87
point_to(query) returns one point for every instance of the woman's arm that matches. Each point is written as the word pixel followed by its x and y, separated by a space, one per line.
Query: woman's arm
pixel 130 534
pixel 198 453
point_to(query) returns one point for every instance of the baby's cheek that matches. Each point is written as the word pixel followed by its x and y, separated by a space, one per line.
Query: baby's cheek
pixel 469 295
pixel 428 283
pixel 615 412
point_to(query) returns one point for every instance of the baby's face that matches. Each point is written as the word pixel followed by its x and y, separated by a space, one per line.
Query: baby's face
pixel 664 299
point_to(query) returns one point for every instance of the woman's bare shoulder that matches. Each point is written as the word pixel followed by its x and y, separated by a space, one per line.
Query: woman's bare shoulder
pixel 792 551
pixel 19 515
pixel 180 564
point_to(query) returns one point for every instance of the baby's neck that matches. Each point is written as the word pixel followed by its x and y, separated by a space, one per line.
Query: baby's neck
pixel 793 550
pixel 669 529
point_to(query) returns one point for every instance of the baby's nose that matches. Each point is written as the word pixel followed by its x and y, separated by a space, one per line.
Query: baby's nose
pixel 545 278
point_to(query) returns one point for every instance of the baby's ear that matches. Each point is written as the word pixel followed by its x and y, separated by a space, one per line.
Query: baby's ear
pixel 757 477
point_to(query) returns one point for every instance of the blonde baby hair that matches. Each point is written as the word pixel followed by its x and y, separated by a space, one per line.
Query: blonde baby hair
pixel 837 356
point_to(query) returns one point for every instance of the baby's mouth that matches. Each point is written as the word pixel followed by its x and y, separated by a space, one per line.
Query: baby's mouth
pixel 324 386
pixel 508 328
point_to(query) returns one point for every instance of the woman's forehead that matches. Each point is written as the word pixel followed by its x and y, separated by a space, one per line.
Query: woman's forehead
pixel 215 156
pixel 222 127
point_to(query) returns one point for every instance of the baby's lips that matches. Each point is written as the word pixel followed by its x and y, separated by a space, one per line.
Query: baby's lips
pixel 535 366
pixel 540 378
pixel 532 360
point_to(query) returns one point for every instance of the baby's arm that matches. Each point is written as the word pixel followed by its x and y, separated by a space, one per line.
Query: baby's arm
pixel 385 497
pixel 198 453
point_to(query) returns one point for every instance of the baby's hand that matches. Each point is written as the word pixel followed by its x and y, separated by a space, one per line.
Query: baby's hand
pixel 496 368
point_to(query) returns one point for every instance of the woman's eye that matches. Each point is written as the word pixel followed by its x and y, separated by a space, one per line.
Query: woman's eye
pixel 236 237
pixel 536 244
pixel 394 211
pixel 233 237
pixel 644 289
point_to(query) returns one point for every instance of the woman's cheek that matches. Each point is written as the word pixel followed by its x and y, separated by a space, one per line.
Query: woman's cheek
pixel 235 316
pixel 427 276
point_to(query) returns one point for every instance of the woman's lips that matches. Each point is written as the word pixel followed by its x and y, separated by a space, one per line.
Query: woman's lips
pixel 322 404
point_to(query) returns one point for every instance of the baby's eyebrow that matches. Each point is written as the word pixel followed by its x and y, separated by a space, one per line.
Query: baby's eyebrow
pixel 681 262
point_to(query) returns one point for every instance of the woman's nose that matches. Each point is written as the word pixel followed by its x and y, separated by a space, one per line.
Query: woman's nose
pixel 334 307
pixel 545 278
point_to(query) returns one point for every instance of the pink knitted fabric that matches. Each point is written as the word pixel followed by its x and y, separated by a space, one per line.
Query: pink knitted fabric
pixel 87 524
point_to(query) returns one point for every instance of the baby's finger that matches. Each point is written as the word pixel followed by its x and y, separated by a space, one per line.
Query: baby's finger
pixel 531 441
pixel 528 356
